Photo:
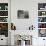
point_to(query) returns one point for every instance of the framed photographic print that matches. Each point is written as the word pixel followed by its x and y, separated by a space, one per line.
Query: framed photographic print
pixel 21 14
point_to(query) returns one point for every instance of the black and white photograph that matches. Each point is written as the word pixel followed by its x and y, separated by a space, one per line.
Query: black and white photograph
pixel 21 14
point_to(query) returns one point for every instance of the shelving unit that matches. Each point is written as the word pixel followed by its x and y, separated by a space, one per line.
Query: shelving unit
pixel 4 19
pixel 42 19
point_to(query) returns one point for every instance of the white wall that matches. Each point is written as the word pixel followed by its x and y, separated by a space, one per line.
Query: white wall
pixel 23 24
pixel 31 6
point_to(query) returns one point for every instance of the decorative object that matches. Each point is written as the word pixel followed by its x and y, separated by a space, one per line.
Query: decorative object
pixel 21 14
pixel 42 32
pixel 4 29
pixel 43 13
pixel 41 6
pixel 3 19
pixel 31 27
pixel 41 19
pixel 0 7
pixel 3 13
pixel 3 6
pixel 42 25
pixel 13 27
pixel 6 7
pixel 23 40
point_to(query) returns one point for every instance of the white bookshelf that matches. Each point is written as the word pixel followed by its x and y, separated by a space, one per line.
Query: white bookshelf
pixel 42 18
pixel 4 17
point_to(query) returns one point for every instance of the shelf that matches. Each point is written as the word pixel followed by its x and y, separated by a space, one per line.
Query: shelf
pixel 3 22
pixel 41 10
pixel 3 10
pixel 42 16
pixel 3 16
pixel 41 28
pixel 41 22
